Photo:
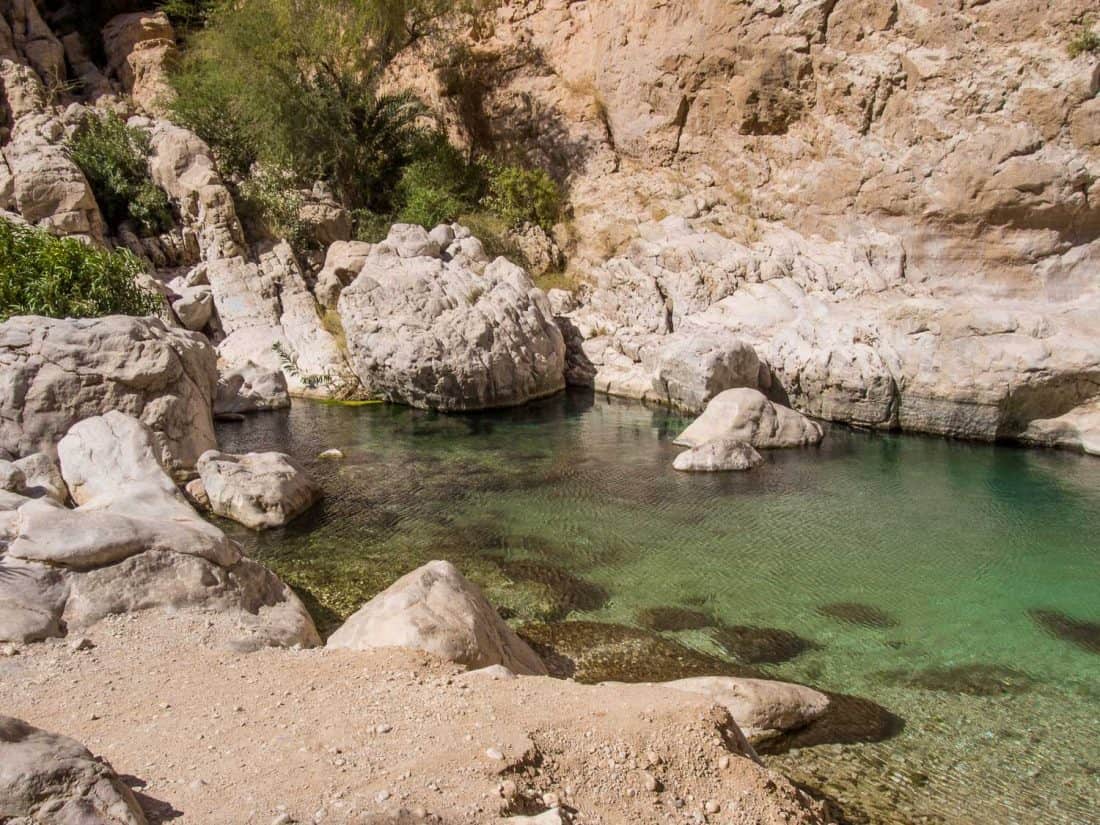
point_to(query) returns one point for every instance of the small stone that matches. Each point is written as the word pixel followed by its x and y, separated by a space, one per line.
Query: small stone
pixel 382 796
pixel 383 728
pixel 650 781
pixel 494 754
pixel 282 819
pixel 333 454
pixel 723 762
pixel 711 807
pixel 550 800
pixel 83 643
pixel 9 650
pixel 507 789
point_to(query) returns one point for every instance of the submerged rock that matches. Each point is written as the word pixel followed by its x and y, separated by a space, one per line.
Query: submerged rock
pixel 720 455
pixel 259 490
pixel 435 609
pixel 746 415
pixel 975 679
pixel 760 645
pixel 567 592
pixel 673 618
pixel 604 652
pixel 864 615
pixel 1086 635
pixel 45 777
pixel 444 329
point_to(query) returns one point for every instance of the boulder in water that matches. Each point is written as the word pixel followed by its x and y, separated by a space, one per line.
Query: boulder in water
pixel 747 415
pixel 259 490
pixel 720 455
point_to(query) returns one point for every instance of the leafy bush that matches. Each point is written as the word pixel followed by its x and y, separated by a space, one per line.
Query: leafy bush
pixel 64 278
pixel 187 14
pixel 519 195
pixel 272 197
pixel 438 186
pixel 1086 41
pixel 115 159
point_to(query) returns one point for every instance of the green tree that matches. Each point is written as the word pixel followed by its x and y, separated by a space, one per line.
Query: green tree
pixel 65 278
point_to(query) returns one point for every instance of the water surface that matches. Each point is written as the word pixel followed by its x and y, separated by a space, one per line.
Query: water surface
pixel 951 585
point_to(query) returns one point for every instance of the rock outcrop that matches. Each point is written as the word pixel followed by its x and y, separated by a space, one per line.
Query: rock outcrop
pixel 132 543
pixel 435 609
pixel 54 373
pixel 444 328
pixel 259 490
pixel 250 388
pixel 45 777
pixel 746 415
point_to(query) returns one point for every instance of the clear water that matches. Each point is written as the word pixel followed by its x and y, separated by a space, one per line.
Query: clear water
pixel 570 510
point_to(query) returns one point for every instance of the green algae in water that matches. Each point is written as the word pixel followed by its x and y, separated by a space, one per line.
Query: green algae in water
pixel 973 701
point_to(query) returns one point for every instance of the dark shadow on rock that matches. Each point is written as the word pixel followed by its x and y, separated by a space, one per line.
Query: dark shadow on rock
pixel 864 615
pixel 976 679
pixel 849 720
pixel 760 645
pixel 155 810
pixel 568 592
pixel 673 618
pixel 1083 634
pixel 593 652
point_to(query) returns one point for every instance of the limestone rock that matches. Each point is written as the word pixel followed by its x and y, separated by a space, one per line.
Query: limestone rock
pixel 55 373
pixel 435 609
pixel 718 455
pixel 42 477
pixel 343 261
pixel 193 305
pixel 693 366
pixel 250 388
pixel 260 490
pixel 433 332
pixel 12 478
pixel 139 47
pixel 49 778
pixel 763 709
pixel 747 415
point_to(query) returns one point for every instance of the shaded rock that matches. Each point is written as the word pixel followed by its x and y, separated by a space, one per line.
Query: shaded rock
pixel 847 720
pixel 58 372
pixel 760 645
pixel 343 262
pixel 746 415
pixel 49 778
pixel 139 46
pixel 12 478
pixel 249 388
pixel 434 332
pixel 259 490
pixel 673 618
pixel 193 305
pixel 720 455
pixel 603 652
pixel 42 477
pixel 864 615
pixel 693 366
pixel 762 708
pixel 1086 635
pixel 435 609
pixel 975 679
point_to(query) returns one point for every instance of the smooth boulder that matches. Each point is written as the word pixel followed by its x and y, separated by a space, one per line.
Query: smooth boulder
pixel 45 777
pixel 448 329
pixel 259 490
pixel 250 388
pixel 720 455
pixel 436 609
pixel 747 415
pixel 54 373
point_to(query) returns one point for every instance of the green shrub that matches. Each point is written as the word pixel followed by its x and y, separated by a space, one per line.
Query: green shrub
pixel 115 159
pixel 1086 41
pixel 273 198
pixel 187 14
pixel 64 278
pixel 519 195
pixel 438 186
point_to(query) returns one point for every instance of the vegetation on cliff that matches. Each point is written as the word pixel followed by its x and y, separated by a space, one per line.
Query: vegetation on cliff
pixel 65 278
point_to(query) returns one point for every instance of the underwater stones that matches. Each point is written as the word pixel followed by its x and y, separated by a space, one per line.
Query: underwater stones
pixel 673 618
pixel 1083 634
pixel 45 777
pixel 864 615
pixel 847 720
pixel 747 415
pixel 567 592
pixel 719 455
pixel 762 708
pixel 436 609
pixel 259 490
pixel 760 645
pixel 604 652
pixel 974 679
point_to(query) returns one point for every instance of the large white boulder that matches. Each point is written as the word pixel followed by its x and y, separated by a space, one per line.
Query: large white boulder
pixel 54 373
pixel 435 609
pixel 249 388
pixel 259 490
pixel 722 454
pixel 45 777
pixel 747 415
pixel 447 329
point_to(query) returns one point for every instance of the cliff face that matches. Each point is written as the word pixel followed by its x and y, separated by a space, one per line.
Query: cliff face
pixel 897 202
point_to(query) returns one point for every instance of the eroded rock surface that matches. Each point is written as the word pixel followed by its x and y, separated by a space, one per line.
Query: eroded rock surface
pixel 435 609
pixel 718 455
